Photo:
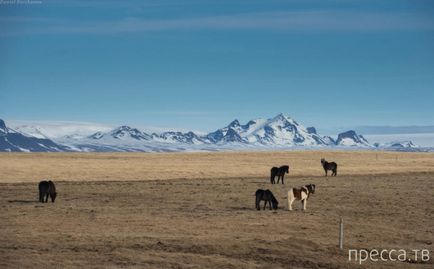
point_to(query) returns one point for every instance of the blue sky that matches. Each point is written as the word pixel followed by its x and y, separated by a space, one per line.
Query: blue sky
pixel 200 64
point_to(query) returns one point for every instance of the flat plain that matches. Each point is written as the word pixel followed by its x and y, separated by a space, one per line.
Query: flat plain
pixel 196 210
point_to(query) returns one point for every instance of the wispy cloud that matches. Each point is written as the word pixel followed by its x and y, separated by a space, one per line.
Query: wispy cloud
pixel 329 20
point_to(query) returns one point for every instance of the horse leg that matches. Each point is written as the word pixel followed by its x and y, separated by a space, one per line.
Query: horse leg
pixel 304 202
pixel 269 205
pixel 290 199
pixel 265 204
pixel 335 172
pixel 325 172
pixel 41 197
pixel 46 197
pixel 282 178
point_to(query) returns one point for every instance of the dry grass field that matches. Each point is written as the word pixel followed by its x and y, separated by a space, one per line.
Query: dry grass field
pixel 196 210
pixel 24 167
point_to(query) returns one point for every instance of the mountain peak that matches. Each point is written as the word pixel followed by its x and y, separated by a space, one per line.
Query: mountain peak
pixel 125 131
pixel 234 123
pixel 311 130
pixel 351 138
pixel 97 135
pixel 3 128
pixel 124 128
pixel 280 116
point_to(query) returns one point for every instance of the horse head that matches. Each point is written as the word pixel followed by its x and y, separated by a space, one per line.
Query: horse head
pixel 311 188
pixel 275 204
pixel 53 196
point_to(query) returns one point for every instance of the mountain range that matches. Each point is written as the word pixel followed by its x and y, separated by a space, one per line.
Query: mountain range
pixel 279 132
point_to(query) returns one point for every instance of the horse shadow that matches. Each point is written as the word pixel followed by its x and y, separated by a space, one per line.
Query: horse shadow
pixel 23 201
pixel 242 208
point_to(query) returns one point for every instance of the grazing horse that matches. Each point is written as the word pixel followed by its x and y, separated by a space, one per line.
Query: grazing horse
pixel 266 196
pixel 47 188
pixel 329 166
pixel 279 172
pixel 301 194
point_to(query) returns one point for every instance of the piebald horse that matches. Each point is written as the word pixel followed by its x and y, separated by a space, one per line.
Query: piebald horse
pixel 301 194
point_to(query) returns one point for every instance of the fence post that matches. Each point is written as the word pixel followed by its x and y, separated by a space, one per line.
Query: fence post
pixel 341 234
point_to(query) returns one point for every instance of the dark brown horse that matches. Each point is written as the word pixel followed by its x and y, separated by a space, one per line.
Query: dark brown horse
pixel 47 188
pixel 268 197
pixel 279 172
pixel 330 166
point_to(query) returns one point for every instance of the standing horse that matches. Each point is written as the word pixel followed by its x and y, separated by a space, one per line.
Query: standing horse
pixel 47 188
pixel 301 194
pixel 279 172
pixel 266 196
pixel 329 166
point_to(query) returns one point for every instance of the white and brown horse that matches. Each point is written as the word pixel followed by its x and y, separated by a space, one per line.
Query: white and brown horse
pixel 301 194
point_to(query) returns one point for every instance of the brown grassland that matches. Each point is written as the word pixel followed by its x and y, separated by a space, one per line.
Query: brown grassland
pixel 196 210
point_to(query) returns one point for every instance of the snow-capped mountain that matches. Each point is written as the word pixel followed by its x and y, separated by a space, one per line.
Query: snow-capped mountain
pixel 58 129
pixel 402 144
pixel 11 140
pixel 351 139
pixel 179 137
pixel 329 140
pixel 122 133
pixel 397 145
pixel 280 130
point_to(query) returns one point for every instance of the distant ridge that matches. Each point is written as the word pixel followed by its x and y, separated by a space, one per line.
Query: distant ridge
pixel 279 132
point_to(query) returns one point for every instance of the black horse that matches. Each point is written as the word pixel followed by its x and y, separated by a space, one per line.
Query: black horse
pixel 329 166
pixel 279 172
pixel 47 188
pixel 266 196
